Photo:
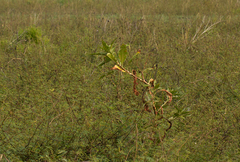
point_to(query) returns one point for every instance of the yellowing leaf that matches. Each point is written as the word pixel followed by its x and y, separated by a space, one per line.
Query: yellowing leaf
pixel 116 67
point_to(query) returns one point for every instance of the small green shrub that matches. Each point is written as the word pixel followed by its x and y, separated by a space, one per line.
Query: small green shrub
pixel 150 95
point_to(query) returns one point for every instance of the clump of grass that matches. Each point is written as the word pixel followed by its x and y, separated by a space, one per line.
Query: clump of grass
pixel 201 31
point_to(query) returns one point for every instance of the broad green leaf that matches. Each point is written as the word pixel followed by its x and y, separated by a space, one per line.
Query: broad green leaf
pixel 112 57
pixel 122 55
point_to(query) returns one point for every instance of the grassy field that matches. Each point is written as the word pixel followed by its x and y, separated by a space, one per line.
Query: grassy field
pixel 57 104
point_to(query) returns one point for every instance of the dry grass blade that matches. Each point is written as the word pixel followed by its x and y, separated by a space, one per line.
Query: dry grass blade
pixel 1 156
pixel 200 32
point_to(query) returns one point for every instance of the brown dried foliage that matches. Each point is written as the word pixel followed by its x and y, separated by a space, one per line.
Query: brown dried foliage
pixel 135 83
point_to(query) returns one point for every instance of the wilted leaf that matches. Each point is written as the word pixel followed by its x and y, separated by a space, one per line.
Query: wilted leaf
pixel 116 67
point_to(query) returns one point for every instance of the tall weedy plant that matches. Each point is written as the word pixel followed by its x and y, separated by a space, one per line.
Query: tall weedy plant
pixel 152 103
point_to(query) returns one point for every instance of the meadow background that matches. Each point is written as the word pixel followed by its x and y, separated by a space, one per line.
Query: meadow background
pixel 55 104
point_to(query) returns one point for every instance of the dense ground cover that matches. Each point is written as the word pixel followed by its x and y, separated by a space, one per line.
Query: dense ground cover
pixel 56 104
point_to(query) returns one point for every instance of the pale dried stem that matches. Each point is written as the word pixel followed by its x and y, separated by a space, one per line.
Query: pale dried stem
pixel 200 35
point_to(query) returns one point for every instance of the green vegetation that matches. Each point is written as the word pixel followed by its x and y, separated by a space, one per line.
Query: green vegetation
pixel 58 104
